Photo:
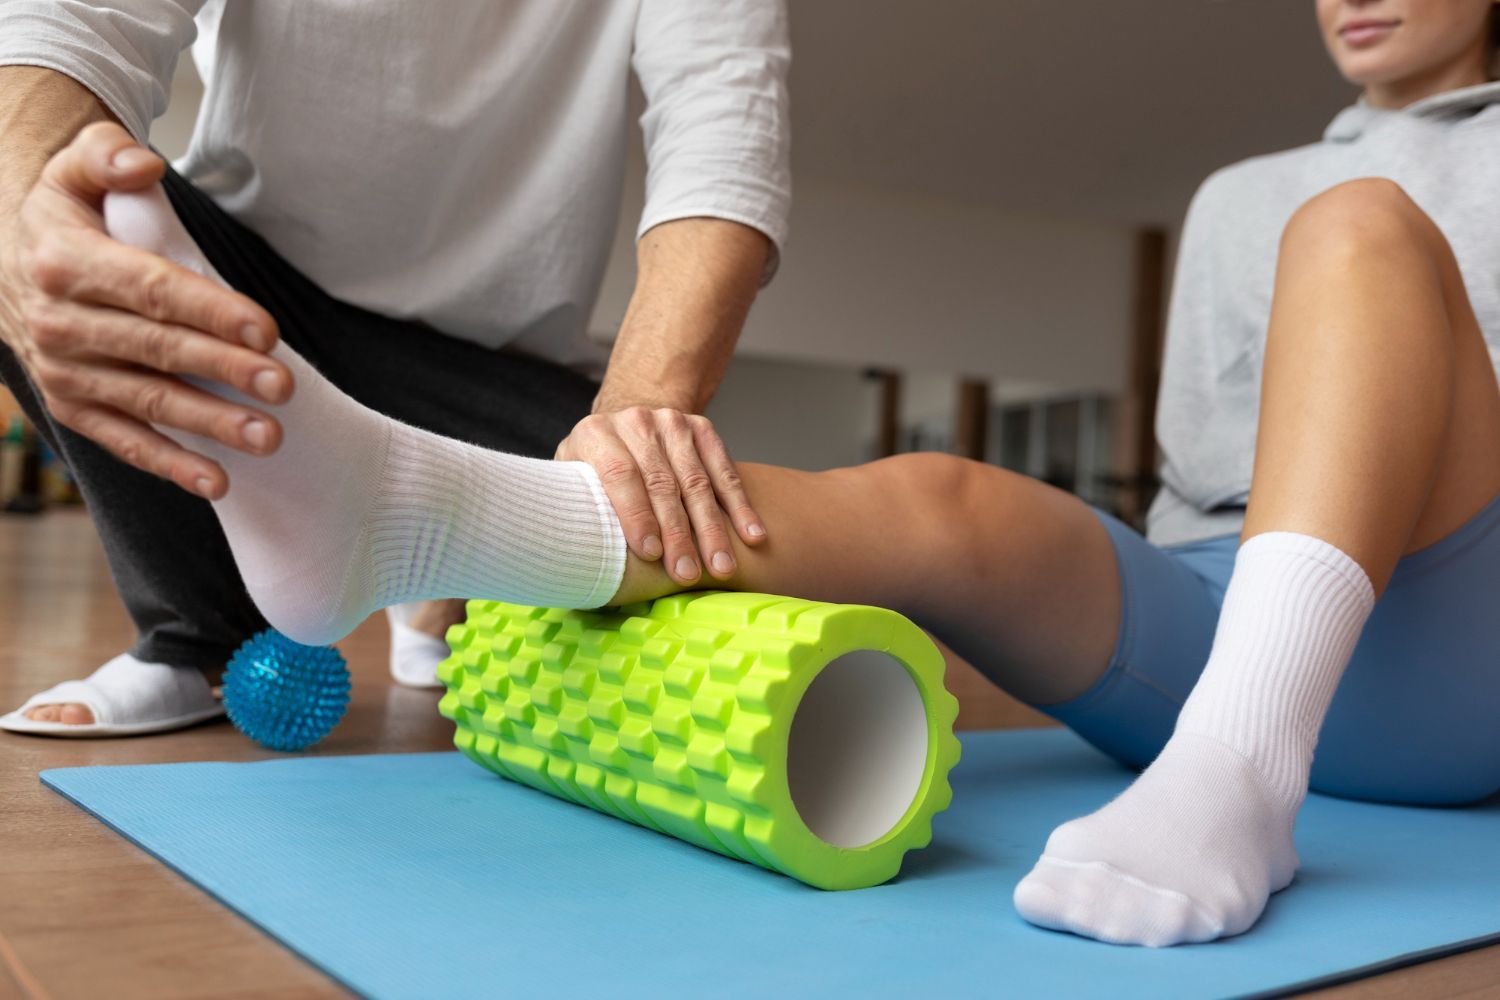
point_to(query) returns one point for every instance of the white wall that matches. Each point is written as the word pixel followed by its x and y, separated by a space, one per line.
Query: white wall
pixel 170 132
pixel 876 278
pixel 799 414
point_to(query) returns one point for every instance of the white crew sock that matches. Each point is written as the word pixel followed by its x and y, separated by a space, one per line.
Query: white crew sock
pixel 1194 848
pixel 357 511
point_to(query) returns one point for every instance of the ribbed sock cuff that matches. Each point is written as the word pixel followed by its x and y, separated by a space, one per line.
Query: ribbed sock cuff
pixel 1292 616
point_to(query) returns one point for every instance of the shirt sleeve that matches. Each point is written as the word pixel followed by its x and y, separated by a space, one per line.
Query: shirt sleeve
pixel 716 125
pixel 125 51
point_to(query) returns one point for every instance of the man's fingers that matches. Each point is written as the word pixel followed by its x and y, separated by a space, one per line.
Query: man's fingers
pixel 726 479
pixel 164 401
pixel 86 333
pixel 102 157
pixel 69 256
pixel 667 470
pixel 697 491
pixel 148 450
pixel 679 557
pixel 622 483
pixel 113 274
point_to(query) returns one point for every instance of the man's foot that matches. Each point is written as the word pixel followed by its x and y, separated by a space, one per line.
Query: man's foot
pixel 69 715
pixel 1190 852
pixel 124 697
pixel 75 714
pixel 418 640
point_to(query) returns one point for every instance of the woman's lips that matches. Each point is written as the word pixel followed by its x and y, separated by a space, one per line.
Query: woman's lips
pixel 1361 34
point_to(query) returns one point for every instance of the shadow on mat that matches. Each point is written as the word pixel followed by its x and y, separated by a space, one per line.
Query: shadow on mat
pixel 938 859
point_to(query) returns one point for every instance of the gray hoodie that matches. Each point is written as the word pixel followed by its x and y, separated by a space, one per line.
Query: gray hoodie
pixel 1444 151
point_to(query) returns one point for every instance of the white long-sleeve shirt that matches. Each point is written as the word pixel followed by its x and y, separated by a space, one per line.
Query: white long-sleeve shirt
pixel 458 163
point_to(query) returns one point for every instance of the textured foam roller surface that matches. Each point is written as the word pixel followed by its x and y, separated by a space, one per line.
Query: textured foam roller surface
pixel 676 716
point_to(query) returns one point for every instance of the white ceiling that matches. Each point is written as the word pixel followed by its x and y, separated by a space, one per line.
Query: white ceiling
pixel 1111 110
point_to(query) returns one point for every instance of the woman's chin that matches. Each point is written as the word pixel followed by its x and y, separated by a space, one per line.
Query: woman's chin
pixel 1367 69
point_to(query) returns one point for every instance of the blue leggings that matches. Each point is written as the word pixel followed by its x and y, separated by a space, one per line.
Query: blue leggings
pixel 1417 716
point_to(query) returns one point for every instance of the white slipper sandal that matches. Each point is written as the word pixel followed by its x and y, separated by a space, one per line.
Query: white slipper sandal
pixel 128 697
pixel 415 655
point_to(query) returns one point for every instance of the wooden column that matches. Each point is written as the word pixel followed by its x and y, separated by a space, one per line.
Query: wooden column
pixel 972 419
pixel 1147 327
pixel 888 411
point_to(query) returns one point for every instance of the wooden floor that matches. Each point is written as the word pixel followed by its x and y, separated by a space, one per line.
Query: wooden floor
pixel 83 913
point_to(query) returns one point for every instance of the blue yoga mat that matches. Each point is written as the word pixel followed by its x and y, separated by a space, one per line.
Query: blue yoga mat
pixel 420 875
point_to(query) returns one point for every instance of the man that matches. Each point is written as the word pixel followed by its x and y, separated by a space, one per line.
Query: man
pixel 420 199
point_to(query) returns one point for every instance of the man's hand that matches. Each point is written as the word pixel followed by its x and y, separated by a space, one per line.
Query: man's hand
pixel 662 464
pixel 670 479
pixel 103 329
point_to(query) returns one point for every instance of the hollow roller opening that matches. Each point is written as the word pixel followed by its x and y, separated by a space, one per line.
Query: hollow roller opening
pixel 857 748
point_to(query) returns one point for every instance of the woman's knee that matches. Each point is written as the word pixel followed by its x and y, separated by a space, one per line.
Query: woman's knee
pixel 1367 227
pixel 940 499
pixel 932 482
pixel 1364 216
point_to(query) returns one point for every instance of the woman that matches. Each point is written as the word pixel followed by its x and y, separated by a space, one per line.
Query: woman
pixel 1331 424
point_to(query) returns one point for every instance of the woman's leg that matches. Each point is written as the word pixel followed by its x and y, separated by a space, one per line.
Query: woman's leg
pixel 1379 435
pixel 1017 577
pixel 356 511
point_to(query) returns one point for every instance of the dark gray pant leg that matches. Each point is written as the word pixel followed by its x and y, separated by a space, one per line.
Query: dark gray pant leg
pixel 407 370
pixel 166 552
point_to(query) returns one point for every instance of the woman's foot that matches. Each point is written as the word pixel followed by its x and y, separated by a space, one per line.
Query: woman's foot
pixel 1193 850
pixel 1190 852
pixel 356 511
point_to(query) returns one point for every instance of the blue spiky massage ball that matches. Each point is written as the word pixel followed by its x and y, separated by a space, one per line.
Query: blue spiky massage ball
pixel 284 695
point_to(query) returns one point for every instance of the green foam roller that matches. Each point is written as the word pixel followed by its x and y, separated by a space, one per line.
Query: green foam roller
pixel 812 739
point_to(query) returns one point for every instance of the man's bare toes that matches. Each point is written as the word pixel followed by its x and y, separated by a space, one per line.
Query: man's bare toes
pixel 68 715
pixel 76 715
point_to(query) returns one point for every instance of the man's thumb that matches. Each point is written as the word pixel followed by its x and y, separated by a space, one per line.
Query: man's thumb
pixel 102 157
